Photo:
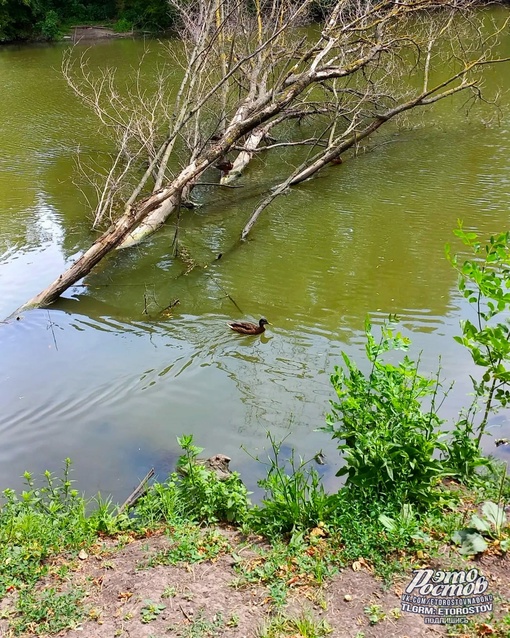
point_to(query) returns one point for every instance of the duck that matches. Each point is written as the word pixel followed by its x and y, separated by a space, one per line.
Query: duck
pixel 225 166
pixel 249 328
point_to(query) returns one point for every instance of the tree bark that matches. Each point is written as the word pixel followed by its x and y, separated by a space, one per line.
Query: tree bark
pixel 114 236
pixel 154 219
pixel 308 170
pixel 245 156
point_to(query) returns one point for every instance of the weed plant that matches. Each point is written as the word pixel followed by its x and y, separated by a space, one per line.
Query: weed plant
pixel 484 280
pixel 193 493
pixel 364 532
pixel 189 544
pixel 204 497
pixel 203 627
pixel 47 611
pixel 304 625
pixel 302 560
pixel 40 522
pixel 294 499
pixel 390 444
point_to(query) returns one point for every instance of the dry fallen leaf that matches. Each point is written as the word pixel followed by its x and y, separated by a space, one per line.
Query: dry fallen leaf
pixel 293 580
pixel 124 595
pixel 361 563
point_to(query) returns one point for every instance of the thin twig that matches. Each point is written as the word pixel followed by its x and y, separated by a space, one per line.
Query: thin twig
pixel 52 331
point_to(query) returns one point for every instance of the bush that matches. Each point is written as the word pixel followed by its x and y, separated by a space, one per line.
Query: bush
pixel 484 282
pixel 201 495
pixel 39 522
pixel 50 26
pixel 123 26
pixel 390 444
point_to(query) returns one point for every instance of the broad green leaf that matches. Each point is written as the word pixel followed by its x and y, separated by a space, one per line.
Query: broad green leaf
pixel 480 524
pixel 470 541
pixel 387 522
pixel 494 513
pixel 421 536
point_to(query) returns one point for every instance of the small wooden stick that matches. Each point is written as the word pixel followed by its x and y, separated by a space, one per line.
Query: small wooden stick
pixel 138 493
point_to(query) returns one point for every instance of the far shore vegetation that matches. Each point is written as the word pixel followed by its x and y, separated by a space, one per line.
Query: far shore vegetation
pixel 412 485
pixel 49 20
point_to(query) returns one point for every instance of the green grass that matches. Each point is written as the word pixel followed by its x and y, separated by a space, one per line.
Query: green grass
pixel 202 627
pixel 304 625
pixel 304 562
pixel 47 611
pixel 41 522
pixel 190 544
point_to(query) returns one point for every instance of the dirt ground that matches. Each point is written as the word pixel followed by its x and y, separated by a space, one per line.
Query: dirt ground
pixel 201 600
pixel 80 33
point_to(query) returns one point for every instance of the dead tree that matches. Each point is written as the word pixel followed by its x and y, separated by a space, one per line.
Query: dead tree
pixel 244 72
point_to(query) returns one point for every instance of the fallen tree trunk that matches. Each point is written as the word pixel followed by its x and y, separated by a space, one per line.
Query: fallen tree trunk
pixel 256 115
pixel 156 218
pixel 343 143
pixel 264 86
pixel 116 234
pixel 245 156
pixel 251 114
pixel 257 137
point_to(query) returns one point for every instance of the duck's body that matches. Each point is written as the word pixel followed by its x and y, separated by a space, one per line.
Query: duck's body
pixel 225 166
pixel 249 328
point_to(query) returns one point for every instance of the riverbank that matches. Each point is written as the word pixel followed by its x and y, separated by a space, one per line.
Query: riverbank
pixel 418 532
pixel 86 33
pixel 128 586
pixel 302 563
pixel 95 32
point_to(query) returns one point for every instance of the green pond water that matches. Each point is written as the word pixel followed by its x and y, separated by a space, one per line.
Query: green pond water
pixel 103 378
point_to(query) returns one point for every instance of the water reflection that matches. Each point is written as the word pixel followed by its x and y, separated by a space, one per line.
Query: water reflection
pixel 109 378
